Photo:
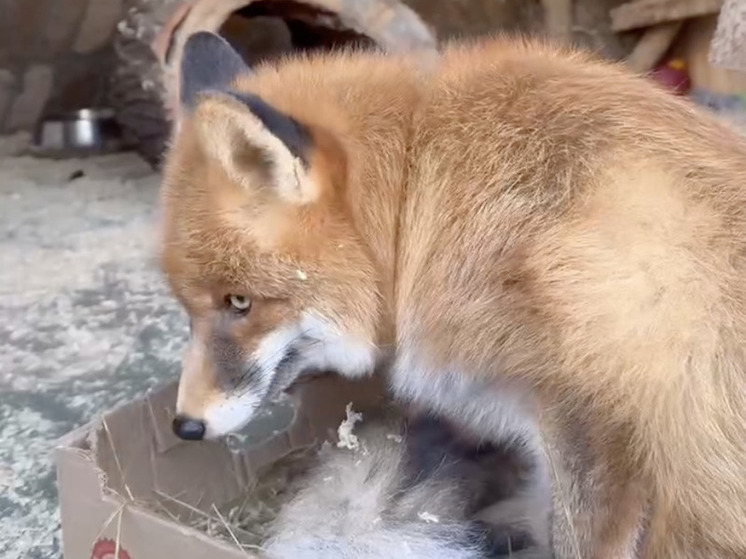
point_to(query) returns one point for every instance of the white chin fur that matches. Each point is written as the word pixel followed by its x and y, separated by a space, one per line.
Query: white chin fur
pixel 230 415
pixel 350 356
pixel 323 348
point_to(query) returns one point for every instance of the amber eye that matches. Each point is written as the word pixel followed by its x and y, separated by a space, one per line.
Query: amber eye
pixel 238 303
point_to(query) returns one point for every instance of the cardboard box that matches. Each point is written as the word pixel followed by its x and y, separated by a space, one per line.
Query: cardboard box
pixel 109 468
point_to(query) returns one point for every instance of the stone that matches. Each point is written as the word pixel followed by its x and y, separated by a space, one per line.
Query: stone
pixel 7 94
pixel 98 25
pixel 29 104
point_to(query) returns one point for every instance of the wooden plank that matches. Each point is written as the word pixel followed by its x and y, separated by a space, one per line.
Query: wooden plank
pixel 644 13
pixel 652 46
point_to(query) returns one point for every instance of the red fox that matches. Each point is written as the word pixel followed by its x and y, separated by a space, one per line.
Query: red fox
pixel 536 244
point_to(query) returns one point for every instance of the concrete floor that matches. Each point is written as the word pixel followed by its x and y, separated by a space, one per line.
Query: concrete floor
pixel 86 322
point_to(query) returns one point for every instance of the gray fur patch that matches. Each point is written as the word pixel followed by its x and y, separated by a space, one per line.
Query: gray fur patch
pixel 208 63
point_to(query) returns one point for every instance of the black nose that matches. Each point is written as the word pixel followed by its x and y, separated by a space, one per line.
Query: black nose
pixel 188 429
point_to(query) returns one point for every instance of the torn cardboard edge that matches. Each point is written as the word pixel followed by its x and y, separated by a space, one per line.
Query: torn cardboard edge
pixel 111 469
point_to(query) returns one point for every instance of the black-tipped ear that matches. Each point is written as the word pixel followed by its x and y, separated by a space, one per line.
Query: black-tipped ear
pixel 246 135
pixel 208 62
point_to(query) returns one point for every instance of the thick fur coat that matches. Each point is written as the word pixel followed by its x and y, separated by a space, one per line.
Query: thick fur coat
pixel 547 248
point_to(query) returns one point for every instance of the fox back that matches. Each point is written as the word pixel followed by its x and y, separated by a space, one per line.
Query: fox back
pixel 543 246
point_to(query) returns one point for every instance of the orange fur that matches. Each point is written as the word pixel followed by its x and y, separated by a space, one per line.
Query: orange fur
pixel 521 213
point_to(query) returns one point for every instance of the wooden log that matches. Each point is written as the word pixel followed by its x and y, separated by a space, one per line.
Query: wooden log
pixel 645 13
pixel 652 46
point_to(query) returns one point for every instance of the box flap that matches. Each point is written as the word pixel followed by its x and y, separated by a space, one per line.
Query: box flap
pixel 93 522
pixel 112 473
pixel 162 408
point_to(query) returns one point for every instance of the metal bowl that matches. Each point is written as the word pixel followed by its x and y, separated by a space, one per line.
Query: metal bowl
pixel 78 132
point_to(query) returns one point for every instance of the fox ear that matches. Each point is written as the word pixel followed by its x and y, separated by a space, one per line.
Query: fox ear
pixel 252 140
pixel 208 63
pixel 246 135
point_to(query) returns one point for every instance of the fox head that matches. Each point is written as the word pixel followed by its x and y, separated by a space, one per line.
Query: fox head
pixel 258 248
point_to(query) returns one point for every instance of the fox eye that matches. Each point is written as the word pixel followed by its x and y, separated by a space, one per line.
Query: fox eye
pixel 238 303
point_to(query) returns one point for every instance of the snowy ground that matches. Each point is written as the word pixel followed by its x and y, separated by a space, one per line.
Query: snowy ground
pixel 85 320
